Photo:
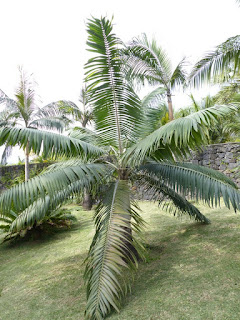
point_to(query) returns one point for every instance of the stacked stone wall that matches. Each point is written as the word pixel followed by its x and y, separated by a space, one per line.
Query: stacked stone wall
pixel 224 157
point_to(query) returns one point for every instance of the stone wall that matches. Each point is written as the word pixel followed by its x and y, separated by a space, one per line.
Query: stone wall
pixel 9 173
pixel 224 157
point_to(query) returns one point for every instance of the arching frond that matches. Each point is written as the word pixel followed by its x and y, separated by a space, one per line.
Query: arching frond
pixel 218 63
pixel 199 182
pixel 42 208
pixel 48 143
pixel 19 197
pixel 178 136
pixel 168 198
pixel 149 61
pixel 113 250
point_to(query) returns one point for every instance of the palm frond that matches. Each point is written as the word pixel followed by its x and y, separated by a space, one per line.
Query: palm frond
pixel 147 60
pixel 47 143
pixel 178 137
pixel 168 198
pixel 218 63
pixel 42 208
pixel 59 177
pixel 52 123
pixel 116 108
pixel 199 182
pixel 112 251
pixel 179 76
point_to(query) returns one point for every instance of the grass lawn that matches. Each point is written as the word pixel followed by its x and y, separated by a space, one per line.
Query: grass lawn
pixel 192 271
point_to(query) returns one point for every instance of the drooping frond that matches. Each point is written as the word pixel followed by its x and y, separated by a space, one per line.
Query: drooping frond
pixel 218 63
pixel 116 108
pixel 179 136
pixel 112 253
pixel 42 208
pixel 199 182
pixel 48 143
pixel 168 198
pixel 21 196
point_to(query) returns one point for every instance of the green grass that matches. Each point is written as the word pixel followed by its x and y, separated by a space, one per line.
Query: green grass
pixel 192 271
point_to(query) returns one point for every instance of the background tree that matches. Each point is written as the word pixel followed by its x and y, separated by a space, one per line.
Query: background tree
pixel 23 111
pixel 149 62
pixel 122 155
pixel 219 65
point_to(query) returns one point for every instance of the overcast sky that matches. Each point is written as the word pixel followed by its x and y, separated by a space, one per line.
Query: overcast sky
pixel 47 37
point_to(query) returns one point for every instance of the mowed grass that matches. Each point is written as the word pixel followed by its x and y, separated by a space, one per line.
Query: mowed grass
pixel 192 271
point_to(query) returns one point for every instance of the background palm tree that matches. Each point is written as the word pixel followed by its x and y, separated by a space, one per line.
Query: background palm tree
pixel 120 153
pixel 219 65
pixel 147 61
pixel 23 111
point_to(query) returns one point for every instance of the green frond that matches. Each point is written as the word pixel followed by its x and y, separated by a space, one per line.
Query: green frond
pixel 199 182
pixel 112 252
pixel 179 76
pixel 48 123
pixel 168 198
pixel 148 61
pixel 43 208
pixel 19 197
pixel 218 63
pixel 178 137
pixel 154 98
pixel 48 143
pixel 116 108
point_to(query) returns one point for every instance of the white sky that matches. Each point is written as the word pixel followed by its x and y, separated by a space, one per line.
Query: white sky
pixel 48 37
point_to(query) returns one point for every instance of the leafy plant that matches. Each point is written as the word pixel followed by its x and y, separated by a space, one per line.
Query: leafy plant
pixel 114 156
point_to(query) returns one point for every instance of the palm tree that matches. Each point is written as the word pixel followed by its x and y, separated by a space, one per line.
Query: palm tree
pixel 219 65
pixel 23 111
pixel 81 114
pixel 120 153
pixel 148 61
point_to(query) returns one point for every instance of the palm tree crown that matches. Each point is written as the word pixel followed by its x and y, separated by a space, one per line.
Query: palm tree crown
pixel 23 111
pixel 148 61
pixel 117 154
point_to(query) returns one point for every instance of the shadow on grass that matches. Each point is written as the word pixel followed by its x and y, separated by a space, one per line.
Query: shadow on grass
pixel 45 234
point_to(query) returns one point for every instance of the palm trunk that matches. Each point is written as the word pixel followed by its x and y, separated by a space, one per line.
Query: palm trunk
pixel 170 107
pixel 27 171
pixel 87 201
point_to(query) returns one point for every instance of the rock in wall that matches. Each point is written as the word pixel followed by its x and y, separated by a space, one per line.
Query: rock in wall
pixel 224 157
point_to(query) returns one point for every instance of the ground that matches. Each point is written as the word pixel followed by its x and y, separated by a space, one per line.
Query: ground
pixel 192 271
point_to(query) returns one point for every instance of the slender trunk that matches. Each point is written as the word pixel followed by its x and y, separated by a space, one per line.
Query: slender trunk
pixel 27 171
pixel 87 197
pixel 170 107
pixel 87 201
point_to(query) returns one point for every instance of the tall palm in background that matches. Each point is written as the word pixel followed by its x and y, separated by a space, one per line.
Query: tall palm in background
pixel 219 65
pixel 23 111
pixel 117 154
pixel 147 61
pixel 83 113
